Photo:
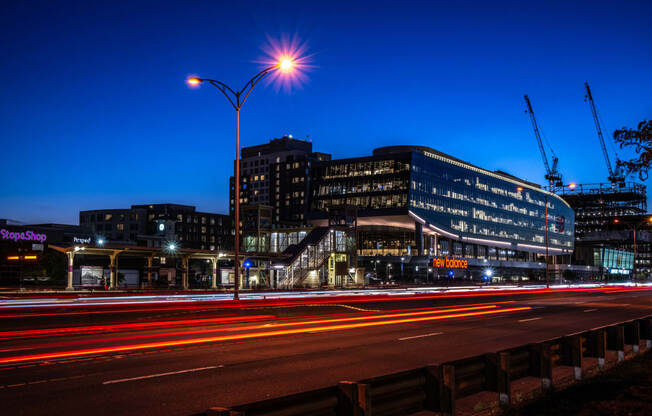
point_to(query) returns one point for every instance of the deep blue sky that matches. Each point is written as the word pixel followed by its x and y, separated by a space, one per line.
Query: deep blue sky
pixel 95 113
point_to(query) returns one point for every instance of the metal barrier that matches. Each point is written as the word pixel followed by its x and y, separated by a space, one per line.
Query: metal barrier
pixel 437 387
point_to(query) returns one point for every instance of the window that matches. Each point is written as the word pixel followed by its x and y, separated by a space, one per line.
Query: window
pixel 120 227
pixel 108 217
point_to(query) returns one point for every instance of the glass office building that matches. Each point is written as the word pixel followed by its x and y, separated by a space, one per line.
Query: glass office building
pixel 416 201
pixel 473 205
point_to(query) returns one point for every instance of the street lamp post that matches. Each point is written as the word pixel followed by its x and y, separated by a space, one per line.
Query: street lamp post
pixel 572 187
pixel 547 256
pixel 237 100
pixel 545 214
pixel 634 227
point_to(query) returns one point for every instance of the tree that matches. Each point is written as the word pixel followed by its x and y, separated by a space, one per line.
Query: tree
pixel 641 140
pixel 56 266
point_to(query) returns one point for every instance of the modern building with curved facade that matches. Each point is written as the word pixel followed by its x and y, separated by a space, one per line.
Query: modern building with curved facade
pixel 415 204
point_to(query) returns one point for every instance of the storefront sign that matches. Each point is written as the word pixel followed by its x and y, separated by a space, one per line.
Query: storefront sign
pixel 79 240
pixel 450 263
pixel 26 236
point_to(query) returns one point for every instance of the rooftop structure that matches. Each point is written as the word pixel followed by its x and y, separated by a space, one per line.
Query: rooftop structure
pixel 596 205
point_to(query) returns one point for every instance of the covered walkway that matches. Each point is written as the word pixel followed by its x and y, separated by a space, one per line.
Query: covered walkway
pixel 149 253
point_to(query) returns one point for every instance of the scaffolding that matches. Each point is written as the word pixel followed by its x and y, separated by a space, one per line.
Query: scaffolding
pixel 596 205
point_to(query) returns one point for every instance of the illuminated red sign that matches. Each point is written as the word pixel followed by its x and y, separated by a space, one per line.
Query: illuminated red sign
pixel 450 263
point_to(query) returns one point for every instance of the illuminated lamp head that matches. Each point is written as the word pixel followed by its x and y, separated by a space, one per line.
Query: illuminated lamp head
pixel 193 81
pixel 286 64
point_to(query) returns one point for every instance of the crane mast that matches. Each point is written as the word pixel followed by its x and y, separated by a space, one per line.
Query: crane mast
pixel 552 175
pixel 615 177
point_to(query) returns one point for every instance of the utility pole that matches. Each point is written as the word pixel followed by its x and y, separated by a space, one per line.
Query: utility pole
pixel 547 257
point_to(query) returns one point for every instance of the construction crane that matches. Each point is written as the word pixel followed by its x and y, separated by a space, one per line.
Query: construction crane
pixel 552 174
pixel 616 176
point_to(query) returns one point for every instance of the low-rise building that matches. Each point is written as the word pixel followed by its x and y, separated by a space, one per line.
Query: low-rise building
pixel 156 225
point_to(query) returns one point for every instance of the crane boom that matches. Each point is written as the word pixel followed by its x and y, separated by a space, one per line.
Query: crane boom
pixel 552 175
pixel 615 177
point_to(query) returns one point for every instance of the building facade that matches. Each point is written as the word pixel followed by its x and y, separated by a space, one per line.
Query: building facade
pixel 415 203
pixel 156 225
pixel 24 255
pixel 606 216
pixel 276 174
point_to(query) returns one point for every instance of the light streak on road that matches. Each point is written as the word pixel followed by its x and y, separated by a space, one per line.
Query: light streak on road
pixel 126 304
pixel 31 333
pixel 253 335
pixel 201 322
pixel 325 319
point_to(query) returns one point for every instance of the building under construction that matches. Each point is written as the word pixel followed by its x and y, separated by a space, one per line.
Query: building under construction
pixel 610 227
pixel 610 218
pixel 598 205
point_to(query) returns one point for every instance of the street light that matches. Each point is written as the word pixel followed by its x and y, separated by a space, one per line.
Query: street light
pixel 237 99
pixel 571 186
pixel 286 64
pixel 634 228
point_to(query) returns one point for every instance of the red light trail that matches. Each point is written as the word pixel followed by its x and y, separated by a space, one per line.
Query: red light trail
pixel 330 325
pixel 31 333
pixel 127 306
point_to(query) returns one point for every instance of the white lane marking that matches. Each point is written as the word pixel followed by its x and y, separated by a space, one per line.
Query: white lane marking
pixel 191 370
pixel 421 336
pixel 529 319
pixel 590 310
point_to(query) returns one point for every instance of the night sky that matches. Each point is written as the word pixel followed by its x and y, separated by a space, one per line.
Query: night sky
pixel 95 112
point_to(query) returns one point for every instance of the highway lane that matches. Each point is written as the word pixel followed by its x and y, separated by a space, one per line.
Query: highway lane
pixel 43 313
pixel 188 379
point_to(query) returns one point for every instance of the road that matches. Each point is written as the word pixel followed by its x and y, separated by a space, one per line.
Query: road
pixel 176 359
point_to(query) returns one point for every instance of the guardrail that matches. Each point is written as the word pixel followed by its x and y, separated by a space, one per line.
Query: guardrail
pixel 437 387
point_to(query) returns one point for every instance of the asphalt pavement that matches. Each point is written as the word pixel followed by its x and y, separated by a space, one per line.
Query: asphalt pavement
pixel 181 361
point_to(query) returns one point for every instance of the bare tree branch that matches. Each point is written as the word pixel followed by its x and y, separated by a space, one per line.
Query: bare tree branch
pixel 641 140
